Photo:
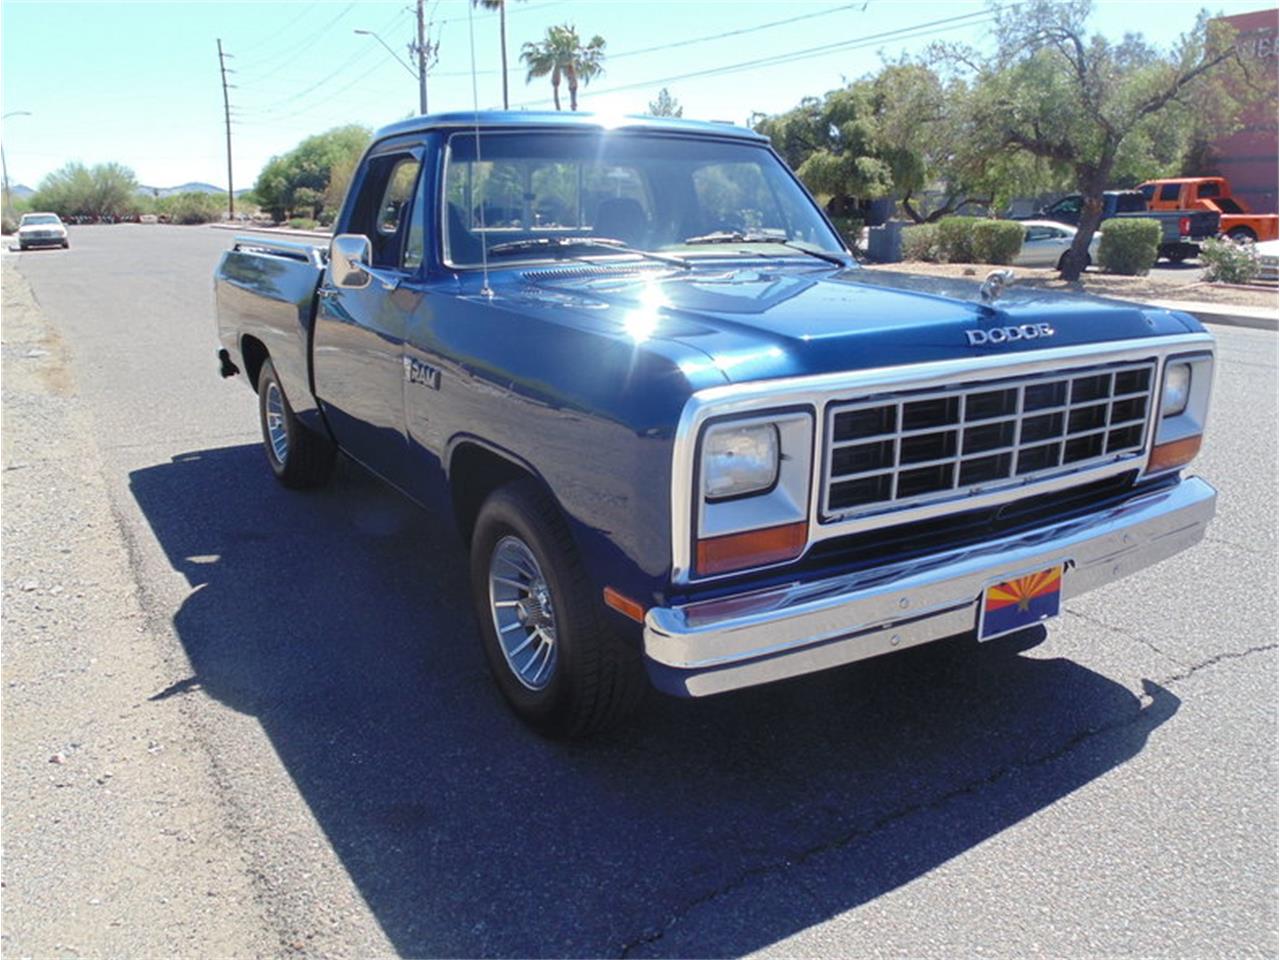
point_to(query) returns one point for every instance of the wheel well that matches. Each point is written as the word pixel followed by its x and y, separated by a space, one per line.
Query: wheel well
pixel 475 472
pixel 1242 232
pixel 254 352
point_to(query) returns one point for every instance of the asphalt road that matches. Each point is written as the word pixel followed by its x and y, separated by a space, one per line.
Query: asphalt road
pixel 1110 790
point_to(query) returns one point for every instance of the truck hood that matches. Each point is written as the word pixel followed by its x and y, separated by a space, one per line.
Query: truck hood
pixel 761 321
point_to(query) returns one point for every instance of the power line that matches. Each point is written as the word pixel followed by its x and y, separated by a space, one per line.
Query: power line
pixel 902 33
pixel 298 18
pixel 695 40
pixel 284 56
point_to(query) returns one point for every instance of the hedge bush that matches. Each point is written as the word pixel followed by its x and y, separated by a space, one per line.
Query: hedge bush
pixel 996 241
pixel 955 239
pixel 920 242
pixel 302 223
pixel 850 229
pixel 1228 262
pixel 1129 246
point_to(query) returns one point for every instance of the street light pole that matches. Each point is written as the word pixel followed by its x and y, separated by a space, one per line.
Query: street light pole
pixel 423 51
pixel 4 165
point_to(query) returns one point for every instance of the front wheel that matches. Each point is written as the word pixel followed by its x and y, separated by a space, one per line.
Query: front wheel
pixel 555 659
pixel 299 456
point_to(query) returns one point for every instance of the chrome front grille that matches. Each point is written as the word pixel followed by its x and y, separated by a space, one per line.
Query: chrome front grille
pixel 911 448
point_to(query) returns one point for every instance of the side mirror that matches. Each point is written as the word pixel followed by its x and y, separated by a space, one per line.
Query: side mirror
pixel 349 256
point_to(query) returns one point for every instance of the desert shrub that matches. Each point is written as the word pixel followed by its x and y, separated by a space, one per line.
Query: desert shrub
pixel 1228 262
pixel 8 224
pixel 1129 246
pixel 996 241
pixel 193 207
pixel 920 242
pixel 955 239
pixel 302 223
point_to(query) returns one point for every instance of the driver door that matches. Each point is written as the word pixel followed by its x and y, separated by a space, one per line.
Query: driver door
pixel 358 353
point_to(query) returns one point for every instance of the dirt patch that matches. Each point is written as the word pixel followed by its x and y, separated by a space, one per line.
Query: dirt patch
pixel 1150 287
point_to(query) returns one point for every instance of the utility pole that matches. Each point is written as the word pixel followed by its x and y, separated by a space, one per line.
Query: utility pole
pixel 226 106
pixel 420 48
pixel 4 165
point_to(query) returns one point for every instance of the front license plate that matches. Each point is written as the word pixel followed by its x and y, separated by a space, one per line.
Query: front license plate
pixel 1020 602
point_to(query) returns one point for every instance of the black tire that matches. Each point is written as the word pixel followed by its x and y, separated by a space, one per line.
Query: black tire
pixel 597 679
pixel 66 244
pixel 306 459
pixel 1242 234
pixel 1176 256
pixel 21 245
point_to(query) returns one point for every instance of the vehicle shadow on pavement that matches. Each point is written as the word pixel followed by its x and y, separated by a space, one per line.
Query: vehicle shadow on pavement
pixel 341 620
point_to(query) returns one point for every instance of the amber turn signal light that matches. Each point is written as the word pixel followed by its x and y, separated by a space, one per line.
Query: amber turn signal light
pixel 1165 456
pixel 624 605
pixel 754 548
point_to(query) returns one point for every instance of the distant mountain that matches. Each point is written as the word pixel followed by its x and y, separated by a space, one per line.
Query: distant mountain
pixel 193 187
pixel 20 190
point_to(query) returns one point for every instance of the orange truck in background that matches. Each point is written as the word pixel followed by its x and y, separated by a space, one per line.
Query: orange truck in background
pixel 1211 193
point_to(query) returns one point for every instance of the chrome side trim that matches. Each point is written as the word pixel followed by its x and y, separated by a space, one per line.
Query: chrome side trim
pixel 289 249
pixel 815 391
pixel 800 627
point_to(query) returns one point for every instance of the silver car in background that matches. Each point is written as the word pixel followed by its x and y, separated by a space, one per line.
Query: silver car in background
pixel 1045 243
pixel 42 230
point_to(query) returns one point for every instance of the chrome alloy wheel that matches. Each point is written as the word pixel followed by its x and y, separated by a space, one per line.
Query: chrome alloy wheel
pixel 277 432
pixel 523 615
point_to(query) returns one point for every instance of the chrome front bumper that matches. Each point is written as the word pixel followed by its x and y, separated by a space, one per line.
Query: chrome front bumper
pixel 718 645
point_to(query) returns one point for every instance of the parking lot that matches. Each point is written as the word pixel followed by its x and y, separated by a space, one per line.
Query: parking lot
pixel 306 755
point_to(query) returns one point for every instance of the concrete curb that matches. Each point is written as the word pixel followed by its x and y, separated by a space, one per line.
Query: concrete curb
pixel 1255 318
pixel 271 231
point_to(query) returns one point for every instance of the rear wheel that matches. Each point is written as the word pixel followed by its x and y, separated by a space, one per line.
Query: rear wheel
pixel 550 650
pixel 299 456
pixel 1242 235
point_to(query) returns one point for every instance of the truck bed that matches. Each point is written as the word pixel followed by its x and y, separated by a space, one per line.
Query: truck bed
pixel 265 291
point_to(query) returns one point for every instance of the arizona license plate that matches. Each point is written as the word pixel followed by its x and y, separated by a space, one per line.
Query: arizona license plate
pixel 1020 602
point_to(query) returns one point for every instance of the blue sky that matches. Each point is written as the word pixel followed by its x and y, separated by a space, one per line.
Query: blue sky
pixel 138 82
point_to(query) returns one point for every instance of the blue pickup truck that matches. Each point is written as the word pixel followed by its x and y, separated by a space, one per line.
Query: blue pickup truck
pixel 683 434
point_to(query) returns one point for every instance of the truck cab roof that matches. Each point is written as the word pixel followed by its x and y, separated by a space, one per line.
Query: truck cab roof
pixel 543 119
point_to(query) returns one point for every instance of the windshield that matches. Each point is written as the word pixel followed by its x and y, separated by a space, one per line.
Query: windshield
pixel 645 192
pixel 31 218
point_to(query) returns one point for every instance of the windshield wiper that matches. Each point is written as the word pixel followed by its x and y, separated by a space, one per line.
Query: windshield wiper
pixel 558 244
pixel 724 236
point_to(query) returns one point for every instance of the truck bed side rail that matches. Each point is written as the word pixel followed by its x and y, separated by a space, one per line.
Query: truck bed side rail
pixel 289 249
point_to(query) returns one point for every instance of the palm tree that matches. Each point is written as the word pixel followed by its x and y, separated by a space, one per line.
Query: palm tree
pixel 562 54
pixel 501 7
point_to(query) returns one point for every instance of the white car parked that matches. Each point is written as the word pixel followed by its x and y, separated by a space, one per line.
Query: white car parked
pixel 1268 254
pixel 42 230
pixel 1045 244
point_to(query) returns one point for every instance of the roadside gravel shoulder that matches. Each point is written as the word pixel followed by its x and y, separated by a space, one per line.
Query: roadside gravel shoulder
pixel 115 842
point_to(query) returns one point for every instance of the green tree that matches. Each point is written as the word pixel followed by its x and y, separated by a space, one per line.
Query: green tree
pixel 561 54
pixel 666 105
pixel 105 190
pixel 1084 104
pixel 831 144
pixel 299 180
pixel 501 7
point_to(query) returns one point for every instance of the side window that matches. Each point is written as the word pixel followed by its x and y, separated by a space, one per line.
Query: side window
pixel 1169 191
pixel 383 211
pixel 415 239
pixel 1148 191
pixel 1209 189
pixel 1037 233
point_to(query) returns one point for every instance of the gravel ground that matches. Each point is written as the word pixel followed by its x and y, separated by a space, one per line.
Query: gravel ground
pixel 115 839
pixel 327 741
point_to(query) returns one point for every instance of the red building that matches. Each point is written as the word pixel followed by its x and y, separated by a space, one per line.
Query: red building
pixel 1248 157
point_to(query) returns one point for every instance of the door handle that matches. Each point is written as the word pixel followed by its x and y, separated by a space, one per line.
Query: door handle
pixel 327 291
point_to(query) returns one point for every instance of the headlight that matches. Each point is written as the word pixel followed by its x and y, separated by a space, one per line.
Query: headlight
pixel 739 460
pixel 1177 389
